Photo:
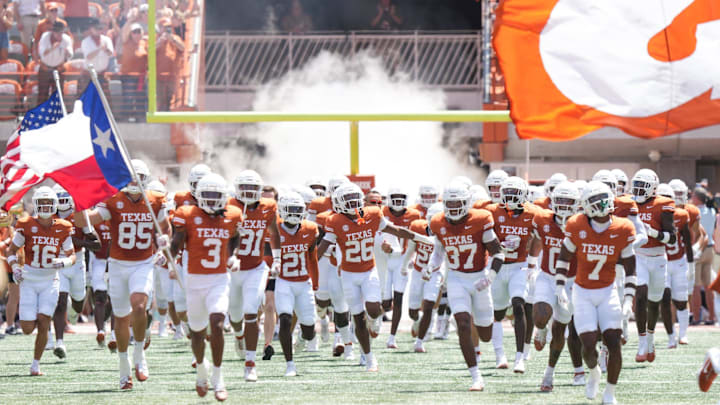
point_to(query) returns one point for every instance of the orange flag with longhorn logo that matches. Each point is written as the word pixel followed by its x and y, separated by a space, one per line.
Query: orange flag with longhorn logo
pixel 648 67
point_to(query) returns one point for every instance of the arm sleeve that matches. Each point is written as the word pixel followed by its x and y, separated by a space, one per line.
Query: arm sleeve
pixel 383 223
pixel 330 237
pixel 408 254
pixel 628 251
pixel 438 255
pixel 569 245
pixel 18 239
pixel 103 211
pixel 489 236
pixel 640 234
pixel 67 243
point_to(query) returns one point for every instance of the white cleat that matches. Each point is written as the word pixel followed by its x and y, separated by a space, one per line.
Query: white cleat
pixel 478 384
pixel 683 340
pixel 593 383
pixel 419 347
pixel 59 351
pixel 348 355
pixel 312 346
pixel 201 382
pixel 372 365
pixel 325 329
pixel 603 359
pixel 609 398
pixel 291 371
pixel 178 333
pixel 519 366
pixel 578 379
pixel 501 362
pixel 299 344
pixel 547 383
pixel 250 372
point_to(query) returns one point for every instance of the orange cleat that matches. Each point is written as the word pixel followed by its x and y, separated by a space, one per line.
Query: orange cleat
pixel 201 390
pixel 708 372
pixel 37 373
pixel 221 394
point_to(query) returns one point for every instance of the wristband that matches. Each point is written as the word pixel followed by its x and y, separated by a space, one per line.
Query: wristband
pixel 12 258
pixel 532 260
pixel 631 280
pixel 276 254
pixel 629 291
pixel 561 264
pixel 499 256
pixel 664 237
pixel 560 277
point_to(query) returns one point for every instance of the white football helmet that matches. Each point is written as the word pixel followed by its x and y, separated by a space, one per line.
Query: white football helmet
pixel 665 190
pixel 428 195
pixel 65 200
pixel 158 187
pixel 212 193
pixel 622 180
pixel 535 192
pixel 462 180
pixel 291 207
pixel 196 173
pixel 643 185
pixel 349 198
pixel 248 187
pixel 433 210
pixel 335 182
pixel 553 181
pixel 598 200
pixel 143 174
pixel 45 202
pixel 318 186
pixel 565 200
pixel 307 193
pixel 456 201
pixel 493 182
pixel 606 176
pixel 513 193
pixel 397 198
pixel 680 191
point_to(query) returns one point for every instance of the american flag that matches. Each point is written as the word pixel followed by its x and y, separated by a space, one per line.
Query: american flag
pixel 17 177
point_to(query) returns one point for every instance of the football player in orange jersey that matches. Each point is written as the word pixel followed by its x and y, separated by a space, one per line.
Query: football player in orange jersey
pixel 209 233
pixel 656 212
pixel 47 245
pixel 598 241
pixel 679 267
pixel 622 181
pixel 72 279
pixel 7 230
pixel 513 227
pixel 548 187
pixel 396 278
pixel 700 240
pixel 298 276
pixel 324 203
pixel 625 207
pixel 424 282
pixel 353 230
pixel 98 268
pixel 248 282
pixel 427 196
pixel 493 181
pixel 130 264
pixel 464 238
pixel 318 186
pixel 548 227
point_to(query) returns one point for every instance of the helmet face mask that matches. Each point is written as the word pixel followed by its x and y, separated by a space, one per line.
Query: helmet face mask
pixel 350 198
pixel 598 200
pixel 680 191
pixel 456 201
pixel 45 201
pixel 493 182
pixel 643 185
pixel 248 187
pixel 513 193
pixel 397 201
pixel 565 201
pixel 428 196
pixel 292 209
pixel 212 194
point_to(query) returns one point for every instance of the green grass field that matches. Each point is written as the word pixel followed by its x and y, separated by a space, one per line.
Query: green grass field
pixel 89 376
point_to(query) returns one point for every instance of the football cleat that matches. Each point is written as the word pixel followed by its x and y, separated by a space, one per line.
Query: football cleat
pixel 547 384
pixel 414 329
pixel 201 383
pixel 651 352
pixel 540 339
pixel 391 343
pixel 141 371
pixel 519 367
pixel 240 346
pixel 269 352
pixel 178 333
pixel 374 326
pixel 419 348
pixel 59 351
pixel 672 342
pixel 312 346
pixel 372 366
pixel 709 369
pixel 641 355
pixel 100 338
pixel 578 379
pixel 291 371
pixel 501 362
pixel 162 329
pixel 478 385
pixel 338 350
pixel 683 340
pixel 608 398
pixel 221 393
pixel 593 383
pixel 349 355
pixel 250 373
pixel 112 345
pixel 201 387
pixel 36 373
pixel 363 359
pixel 126 383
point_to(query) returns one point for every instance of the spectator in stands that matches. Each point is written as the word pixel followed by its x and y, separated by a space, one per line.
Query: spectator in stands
pixel 133 67
pixel 387 17
pixel 297 21
pixel 27 14
pixel 45 25
pixel 98 50
pixel 77 16
pixel 170 64
pixel 703 267
pixel 55 48
pixel 6 22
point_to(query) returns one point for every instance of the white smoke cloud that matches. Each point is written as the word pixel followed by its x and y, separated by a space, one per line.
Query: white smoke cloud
pixel 398 153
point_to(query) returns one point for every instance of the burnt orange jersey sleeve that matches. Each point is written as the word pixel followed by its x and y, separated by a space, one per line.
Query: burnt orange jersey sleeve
pixel 693 212
pixel 482 204
pixel 676 251
pixel 625 206
pixel 543 202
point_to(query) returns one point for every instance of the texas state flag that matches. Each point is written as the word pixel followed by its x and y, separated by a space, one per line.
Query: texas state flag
pixel 79 151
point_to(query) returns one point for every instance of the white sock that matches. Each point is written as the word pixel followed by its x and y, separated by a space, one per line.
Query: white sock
pixel 497 337
pixel 35 364
pixel 596 372
pixel 477 350
pixel 369 357
pixel 418 342
pixel 59 342
pixel 124 364
pixel 250 355
pixel 473 372
pixel 683 321
pixel 138 353
pixel 579 370
pixel 518 356
pixel 391 339
pixel 216 372
pixel 290 364
pixel 549 371
pixel 112 333
pixel 526 349
pixel 202 371
pixel 610 389
pixel 345 334
pixel 650 338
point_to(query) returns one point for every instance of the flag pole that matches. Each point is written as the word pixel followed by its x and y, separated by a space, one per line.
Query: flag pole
pixel 126 157
pixel 58 88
